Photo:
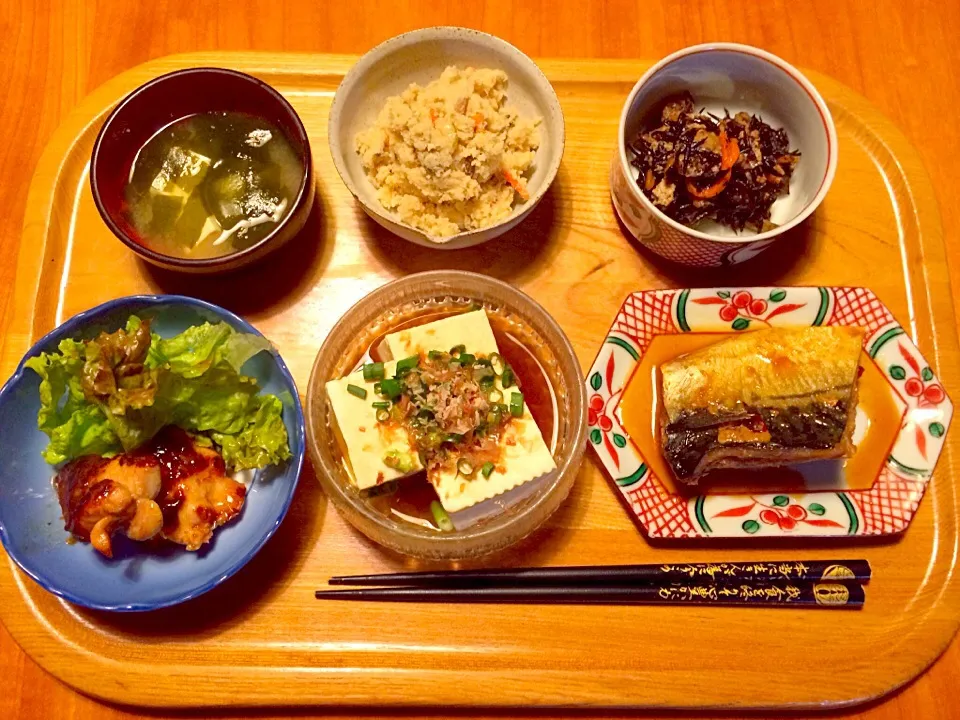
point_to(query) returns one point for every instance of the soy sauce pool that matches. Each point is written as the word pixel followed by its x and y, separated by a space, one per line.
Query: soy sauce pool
pixel 411 498
pixel 211 184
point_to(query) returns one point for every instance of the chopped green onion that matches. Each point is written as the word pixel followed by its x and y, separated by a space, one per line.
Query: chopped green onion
pixel 373 371
pixel 487 469
pixel 482 362
pixel 452 437
pixel 516 404
pixel 357 391
pixel 466 358
pixel 377 389
pixel 407 364
pixel 437 355
pixel 508 378
pixel 440 517
pixel 493 417
pixel 495 396
pixel 399 460
pixel 496 362
pixel 457 349
pixel 391 388
pixel 425 413
pixel 383 415
pixel 381 405
pixel 465 467
pixel 481 373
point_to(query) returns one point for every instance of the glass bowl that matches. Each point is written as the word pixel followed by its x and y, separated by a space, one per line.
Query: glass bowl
pixel 428 293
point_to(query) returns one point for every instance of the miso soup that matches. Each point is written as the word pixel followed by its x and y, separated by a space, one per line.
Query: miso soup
pixel 212 184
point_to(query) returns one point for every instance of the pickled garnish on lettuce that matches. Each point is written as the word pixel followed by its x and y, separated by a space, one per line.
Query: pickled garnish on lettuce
pixel 113 393
pixel 695 166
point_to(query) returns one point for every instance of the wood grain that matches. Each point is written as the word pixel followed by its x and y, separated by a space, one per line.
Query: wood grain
pixel 57 53
pixel 572 257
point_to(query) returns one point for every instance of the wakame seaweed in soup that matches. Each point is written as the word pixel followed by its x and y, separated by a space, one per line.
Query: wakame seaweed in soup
pixel 211 184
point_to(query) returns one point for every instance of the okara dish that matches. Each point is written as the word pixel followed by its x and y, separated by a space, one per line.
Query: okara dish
pixel 447 414
pixel 695 165
pixel 761 399
pixel 451 156
pixel 383 76
pixel 145 429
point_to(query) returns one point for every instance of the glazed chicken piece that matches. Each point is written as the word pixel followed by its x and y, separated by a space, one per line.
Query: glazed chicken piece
pixel 99 497
pixel 197 503
pixel 196 495
pixel 171 487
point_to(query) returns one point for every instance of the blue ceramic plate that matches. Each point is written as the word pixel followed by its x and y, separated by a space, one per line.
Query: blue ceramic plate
pixel 138 578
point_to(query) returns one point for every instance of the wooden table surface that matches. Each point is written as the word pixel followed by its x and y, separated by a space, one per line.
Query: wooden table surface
pixel 900 55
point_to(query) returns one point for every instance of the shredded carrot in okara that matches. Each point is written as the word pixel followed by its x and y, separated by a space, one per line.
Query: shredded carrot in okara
pixel 515 184
pixel 433 117
pixel 478 122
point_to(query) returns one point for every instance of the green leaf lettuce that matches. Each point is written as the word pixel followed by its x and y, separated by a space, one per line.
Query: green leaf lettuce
pixel 198 387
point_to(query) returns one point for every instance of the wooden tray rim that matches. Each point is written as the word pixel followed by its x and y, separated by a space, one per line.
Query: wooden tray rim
pixel 358 686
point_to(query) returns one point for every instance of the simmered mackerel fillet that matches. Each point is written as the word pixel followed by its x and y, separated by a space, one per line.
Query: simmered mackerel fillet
pixel 760 399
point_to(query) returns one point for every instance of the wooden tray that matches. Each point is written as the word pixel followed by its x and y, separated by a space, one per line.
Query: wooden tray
pixel 262 639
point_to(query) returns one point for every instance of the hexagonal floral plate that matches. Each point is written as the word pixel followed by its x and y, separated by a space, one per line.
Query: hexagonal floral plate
pixel 886 507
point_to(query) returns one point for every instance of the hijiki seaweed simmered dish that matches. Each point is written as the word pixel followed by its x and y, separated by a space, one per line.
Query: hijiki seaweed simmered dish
pixel 695 166
pixel 145 429
pixel 449 410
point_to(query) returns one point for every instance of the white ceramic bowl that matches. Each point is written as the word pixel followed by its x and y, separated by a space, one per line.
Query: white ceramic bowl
pixel 420 56
pixel 727 76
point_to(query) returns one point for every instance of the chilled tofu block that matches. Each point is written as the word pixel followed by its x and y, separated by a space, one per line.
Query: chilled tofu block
pixel 365 442
pixel 524 455
pixel 471 329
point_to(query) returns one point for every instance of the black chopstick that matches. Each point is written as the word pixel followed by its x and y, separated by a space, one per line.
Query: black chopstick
pixel 623 575
pixel 804 593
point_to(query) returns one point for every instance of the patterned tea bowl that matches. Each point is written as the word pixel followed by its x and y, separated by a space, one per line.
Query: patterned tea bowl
pixel 727 76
